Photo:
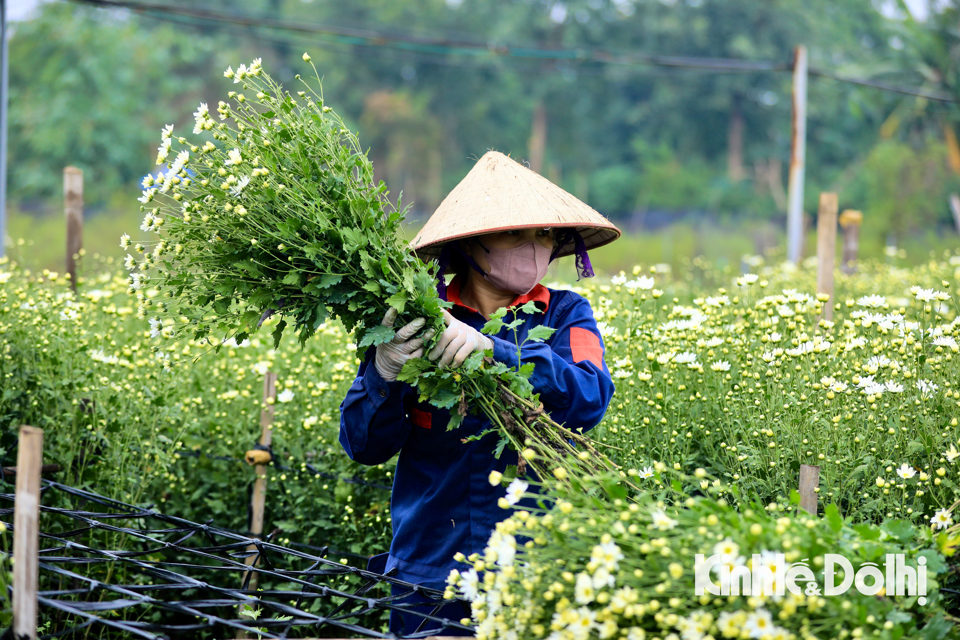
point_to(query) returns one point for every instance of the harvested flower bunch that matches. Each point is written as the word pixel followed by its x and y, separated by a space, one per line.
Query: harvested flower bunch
pixel 279 215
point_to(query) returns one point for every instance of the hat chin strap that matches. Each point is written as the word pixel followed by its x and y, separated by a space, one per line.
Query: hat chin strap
pixel 443 263
pixel 584 268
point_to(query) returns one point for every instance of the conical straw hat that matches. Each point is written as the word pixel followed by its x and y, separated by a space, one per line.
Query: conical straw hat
pixel 499 194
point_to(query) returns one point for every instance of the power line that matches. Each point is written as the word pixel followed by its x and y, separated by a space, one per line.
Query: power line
pixel 435 47
pixel 447 46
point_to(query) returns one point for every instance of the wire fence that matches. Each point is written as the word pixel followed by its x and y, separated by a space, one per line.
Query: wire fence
pixel 111 569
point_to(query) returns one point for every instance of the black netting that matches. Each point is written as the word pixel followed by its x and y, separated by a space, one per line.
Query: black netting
pixel 140 573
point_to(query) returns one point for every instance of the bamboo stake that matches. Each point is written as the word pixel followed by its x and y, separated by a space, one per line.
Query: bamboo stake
pixel 826 249
pixel 798 150
pixel 73 210
pixel 809 481
pixel 850 222
pixel 955 210
pixel 259 498
pixel 26 524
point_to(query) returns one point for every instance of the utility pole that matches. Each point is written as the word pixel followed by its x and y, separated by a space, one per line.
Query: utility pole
pixel 798 151
pixel 4 84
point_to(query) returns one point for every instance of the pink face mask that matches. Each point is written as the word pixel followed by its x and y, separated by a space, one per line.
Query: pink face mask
pixel 519 269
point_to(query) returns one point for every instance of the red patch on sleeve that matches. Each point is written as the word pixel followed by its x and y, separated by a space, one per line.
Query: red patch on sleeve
pixel 421 418
pixel 585 345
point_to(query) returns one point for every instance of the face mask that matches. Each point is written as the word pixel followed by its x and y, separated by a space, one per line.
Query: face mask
pixel 519 269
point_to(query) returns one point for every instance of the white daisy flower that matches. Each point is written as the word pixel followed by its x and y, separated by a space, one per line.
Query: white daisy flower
pixel 906 471
pixel 926 387
pixel 643 283
pixel 515 490
pixel 470 585
pixel 942 519
pixel 872 302
pixel 662 521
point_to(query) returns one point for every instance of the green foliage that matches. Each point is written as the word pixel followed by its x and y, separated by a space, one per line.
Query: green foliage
pixel 89 85
pixel 86 90
pixel 904 189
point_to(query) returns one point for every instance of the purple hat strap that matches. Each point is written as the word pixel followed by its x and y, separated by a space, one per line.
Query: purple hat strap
pixel 584 268
pixel 443 262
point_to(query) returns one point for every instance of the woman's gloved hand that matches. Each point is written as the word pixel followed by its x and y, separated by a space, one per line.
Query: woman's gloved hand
pixel 457 342
pixel 391 356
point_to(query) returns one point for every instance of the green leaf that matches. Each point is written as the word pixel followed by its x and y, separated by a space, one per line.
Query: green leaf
pixel 492 326
pixel 377 335
pixel 530 307
pixel 327 280
pixel 902 530
pixel 292 278
pixel 398 301
pixel 833 517
pixel 278 332
pixel 541 333
pixel 413 369
pixel 615 490
pixel 445 399
pixel 501 445
pixel 935 561
pixel 455 421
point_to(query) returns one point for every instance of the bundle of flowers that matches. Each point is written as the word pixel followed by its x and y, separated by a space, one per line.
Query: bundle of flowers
pixel 279 215
pixel 594 564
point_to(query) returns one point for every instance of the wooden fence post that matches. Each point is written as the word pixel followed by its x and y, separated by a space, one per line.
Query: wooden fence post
pixel 955 207
pixel 262 458
pixel 809 481
pixel 826 249
pixel 850 221
pixel 73 210
pixel 26 524
pixel 798 147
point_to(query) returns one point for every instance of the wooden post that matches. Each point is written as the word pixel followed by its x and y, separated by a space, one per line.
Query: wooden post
pixel 538 137
pixel 955 209
pixel 809 481
pixel 26 536
pixel 826 249
pixel 73 209
pixel 259 498
pixel 850 221
pixel 798 151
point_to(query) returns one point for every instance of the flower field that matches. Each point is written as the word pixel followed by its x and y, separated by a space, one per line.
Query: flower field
pixel 736 376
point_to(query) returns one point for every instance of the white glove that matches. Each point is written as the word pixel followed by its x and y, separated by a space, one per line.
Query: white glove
pixel 392 355
pixel 457 342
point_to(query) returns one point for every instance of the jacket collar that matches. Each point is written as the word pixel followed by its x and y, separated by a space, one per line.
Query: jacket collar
pixel 539 294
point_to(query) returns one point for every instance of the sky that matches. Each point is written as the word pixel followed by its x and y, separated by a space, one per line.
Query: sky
pixel 22 9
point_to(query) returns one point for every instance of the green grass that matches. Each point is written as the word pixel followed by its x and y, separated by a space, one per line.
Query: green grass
pixel 39 242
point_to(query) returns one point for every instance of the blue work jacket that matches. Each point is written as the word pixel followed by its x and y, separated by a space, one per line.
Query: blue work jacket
pixel 442 499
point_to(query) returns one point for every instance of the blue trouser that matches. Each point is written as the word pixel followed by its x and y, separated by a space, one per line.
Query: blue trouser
pixel 404 623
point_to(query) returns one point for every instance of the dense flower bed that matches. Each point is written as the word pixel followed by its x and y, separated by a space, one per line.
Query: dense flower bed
pixel 744 381
pixel 571 570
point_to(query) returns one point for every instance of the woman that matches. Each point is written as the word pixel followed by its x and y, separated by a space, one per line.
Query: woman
pixel 497 231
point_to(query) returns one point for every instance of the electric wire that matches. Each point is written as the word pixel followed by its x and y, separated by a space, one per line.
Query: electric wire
pixel 421 45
